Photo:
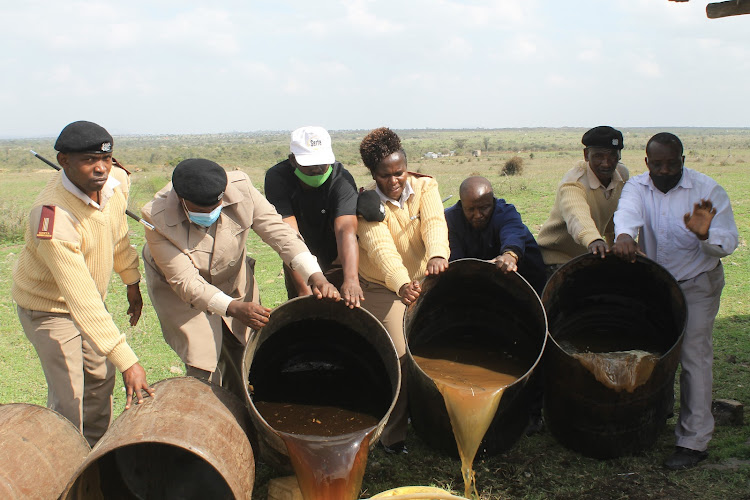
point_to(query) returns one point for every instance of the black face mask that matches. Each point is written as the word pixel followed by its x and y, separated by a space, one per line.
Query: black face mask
pixel 665 182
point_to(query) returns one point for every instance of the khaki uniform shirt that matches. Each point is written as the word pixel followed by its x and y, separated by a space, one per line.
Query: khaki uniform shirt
pixel 186 265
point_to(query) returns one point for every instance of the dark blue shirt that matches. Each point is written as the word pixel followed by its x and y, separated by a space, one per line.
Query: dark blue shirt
pixel 506 231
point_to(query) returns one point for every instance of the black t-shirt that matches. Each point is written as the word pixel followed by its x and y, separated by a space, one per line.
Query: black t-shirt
pixel 315 208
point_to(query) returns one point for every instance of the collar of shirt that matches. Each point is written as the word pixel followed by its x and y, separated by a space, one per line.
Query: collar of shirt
pixel 408 191
pixel 595 183
pixel 106 193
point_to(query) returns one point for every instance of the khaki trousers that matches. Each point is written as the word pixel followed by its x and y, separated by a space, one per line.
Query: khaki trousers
pixel 79 381
pixel 387 307
pixel 696 423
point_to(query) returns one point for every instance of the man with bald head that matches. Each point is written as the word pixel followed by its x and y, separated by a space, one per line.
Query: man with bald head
pixel 481 226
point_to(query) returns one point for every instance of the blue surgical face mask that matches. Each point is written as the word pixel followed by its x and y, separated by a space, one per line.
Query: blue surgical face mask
pixel 203 219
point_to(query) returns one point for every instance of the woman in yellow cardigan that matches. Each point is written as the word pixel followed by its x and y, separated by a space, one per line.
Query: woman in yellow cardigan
pixel 395 253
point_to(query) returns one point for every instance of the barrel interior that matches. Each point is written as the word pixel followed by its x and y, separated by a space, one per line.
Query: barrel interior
pixel 614 305
pixel 150 470
pixel 482 310
pixel 320 362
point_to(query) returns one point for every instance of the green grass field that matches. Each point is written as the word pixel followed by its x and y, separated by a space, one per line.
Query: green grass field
pixel 537 467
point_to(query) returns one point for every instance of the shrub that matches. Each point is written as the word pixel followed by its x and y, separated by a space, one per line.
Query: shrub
pixel 12 224
pixel 514 166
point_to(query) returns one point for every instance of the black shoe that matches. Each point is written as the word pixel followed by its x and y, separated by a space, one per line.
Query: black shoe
pixel 684 458
pixel 395 449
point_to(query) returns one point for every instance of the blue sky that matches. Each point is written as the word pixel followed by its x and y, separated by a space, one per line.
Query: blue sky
pixel 197 67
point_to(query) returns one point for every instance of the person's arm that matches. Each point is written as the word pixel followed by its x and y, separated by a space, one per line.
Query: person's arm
pixel 180 272
pixel 125 256
pixel 300 285
pixel 629 218
pixel 67 266
pixel 287 242
pixel 722 237
pixel 576 213
pixel 434 229
pixel 512 230
pixel 456 233
pixel 345 229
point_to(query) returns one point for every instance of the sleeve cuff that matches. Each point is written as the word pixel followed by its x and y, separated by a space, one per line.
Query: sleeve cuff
pixel 130 276
pixel 122 356
pixel 219 304
pixel 589 238
pixel 306 265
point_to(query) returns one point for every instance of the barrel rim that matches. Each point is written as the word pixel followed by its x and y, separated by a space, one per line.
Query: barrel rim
pixel 539 357
pixel 255 336
pixel 641 259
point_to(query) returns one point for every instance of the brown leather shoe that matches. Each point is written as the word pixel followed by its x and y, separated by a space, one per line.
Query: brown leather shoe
pixel 684 458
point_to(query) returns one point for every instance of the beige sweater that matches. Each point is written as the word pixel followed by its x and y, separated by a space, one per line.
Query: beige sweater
pixel 70 272
pixel 581 214
pixel 395 251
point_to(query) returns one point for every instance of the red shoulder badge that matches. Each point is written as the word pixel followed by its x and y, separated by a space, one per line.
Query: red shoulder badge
pixel 417 174
pixel 46 223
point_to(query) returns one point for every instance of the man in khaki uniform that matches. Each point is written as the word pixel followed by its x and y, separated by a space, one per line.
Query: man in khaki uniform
pixel 199 276
pixel 581 220
pixel 76 236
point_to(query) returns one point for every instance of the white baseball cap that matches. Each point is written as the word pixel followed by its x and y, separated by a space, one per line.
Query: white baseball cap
pixel 312 146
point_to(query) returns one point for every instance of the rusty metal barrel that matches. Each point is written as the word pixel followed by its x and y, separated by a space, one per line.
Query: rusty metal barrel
pixel 319 352
pixel 606 305
pixel 476 306
pixel 189 441
pixel 39 451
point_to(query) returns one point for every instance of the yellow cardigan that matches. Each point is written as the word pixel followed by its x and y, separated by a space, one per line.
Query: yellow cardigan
pixel 70 272
pixel 581 214
pixel 395 251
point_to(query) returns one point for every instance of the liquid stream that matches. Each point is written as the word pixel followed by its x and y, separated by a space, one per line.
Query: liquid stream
pixel 472 384
pixel 327 446
pixel 620 370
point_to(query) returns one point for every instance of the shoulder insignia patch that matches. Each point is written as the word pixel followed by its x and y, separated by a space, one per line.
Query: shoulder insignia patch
pixel 46 223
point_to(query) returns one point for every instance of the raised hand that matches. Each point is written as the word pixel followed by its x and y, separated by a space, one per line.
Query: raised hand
pixel 699 221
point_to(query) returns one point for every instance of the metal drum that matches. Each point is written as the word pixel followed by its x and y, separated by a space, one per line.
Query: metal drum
pixel 616 306
pixel 477 306
pixel 188 442
pixel 319 352
pixel 39 451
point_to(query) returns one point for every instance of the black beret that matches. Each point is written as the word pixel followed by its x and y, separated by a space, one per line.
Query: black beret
pixel 84 137
pixel 370 207
pixel 603 137
pixel 200 181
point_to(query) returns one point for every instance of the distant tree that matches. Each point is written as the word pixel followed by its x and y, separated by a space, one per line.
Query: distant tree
pixel 486 142
pixel 531 156
pixel 459 143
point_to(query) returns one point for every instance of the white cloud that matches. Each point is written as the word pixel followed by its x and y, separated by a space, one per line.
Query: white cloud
pixel 359 17
pixel 457 46
pixel 207 30
pixel 558 80
pixel 255 70
pixel 646 66
pixel 486 12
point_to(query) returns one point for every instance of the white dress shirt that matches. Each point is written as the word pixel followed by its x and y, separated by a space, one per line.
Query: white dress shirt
pixel 658 220
pixel 108 190
pixel 407 191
